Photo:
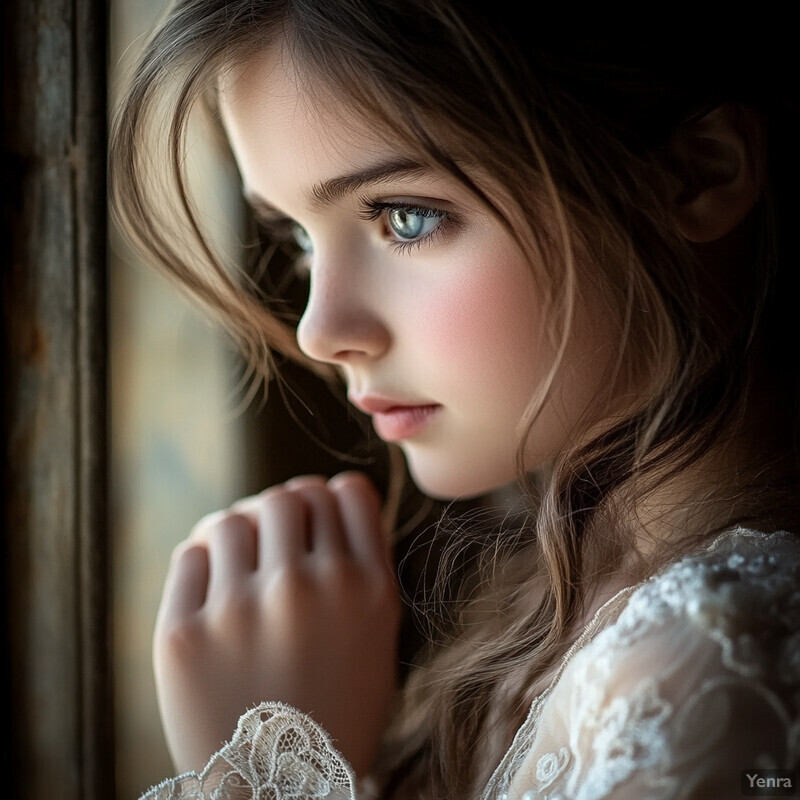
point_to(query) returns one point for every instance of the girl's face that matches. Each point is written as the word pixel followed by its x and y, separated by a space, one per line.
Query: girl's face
pixel 418 294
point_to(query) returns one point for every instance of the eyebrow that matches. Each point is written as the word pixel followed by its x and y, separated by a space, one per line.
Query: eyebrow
pixel 335 189
pixel 329 191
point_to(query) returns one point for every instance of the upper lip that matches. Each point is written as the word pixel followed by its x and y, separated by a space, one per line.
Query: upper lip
pixel 375 404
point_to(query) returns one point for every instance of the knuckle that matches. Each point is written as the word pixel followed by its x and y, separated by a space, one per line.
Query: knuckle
pixel 178 641
pixel 313 493
pixel 350 480
pixel 236 612
pixel 278 497
pixel 348 583
pixel 232 526
pixel 206 524
pixel 188 561
pixel 184 554
pixel 306 482
pixel 290 584
pixel 341 572
pixel 356 485
pixel 229 521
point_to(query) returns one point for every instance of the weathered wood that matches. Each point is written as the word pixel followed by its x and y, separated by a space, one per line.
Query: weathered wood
pixel 56 552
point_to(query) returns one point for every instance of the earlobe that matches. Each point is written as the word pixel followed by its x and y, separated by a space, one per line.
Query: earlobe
pixel 718 161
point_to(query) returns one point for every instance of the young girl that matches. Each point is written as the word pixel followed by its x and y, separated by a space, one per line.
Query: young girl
pixel 533 258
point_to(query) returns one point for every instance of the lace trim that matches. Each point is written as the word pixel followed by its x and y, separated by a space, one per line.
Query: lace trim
pixel 277 753
pixel 741 590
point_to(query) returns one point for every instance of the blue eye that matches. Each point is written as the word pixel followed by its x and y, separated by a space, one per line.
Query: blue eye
pixel 301 238
pixel 413 223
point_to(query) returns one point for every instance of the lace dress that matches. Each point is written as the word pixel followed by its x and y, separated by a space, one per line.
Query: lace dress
pixel 676 688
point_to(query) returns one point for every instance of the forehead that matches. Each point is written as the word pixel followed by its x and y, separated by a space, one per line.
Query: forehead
pixel 280 125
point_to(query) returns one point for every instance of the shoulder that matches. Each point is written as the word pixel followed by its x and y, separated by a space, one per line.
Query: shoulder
pixel 740 595
pixel 732 607
pixel 682 683
pixel 714 635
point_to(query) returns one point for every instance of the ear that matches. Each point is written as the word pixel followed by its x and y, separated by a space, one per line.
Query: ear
pixel 718 161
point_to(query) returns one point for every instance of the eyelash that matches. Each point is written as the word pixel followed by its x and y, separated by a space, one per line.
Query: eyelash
pixel 373 210
pixel 281 229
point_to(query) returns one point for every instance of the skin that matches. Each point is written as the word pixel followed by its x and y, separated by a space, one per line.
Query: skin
pixel 292 591
pixel 452 319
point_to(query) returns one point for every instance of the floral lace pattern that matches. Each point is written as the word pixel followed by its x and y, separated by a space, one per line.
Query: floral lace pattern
pixel 277 753
pixel 674 688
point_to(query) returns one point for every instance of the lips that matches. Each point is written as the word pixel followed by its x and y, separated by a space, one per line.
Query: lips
pixel 396 420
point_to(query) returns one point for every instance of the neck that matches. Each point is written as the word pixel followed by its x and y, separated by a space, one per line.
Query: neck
pixel 748 478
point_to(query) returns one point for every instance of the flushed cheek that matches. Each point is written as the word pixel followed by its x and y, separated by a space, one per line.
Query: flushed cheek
pixel 480 328
pixel 472 345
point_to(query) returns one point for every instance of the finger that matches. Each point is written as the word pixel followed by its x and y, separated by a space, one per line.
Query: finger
pixel 251 503
pixel 248 505
pixel 186 584
pixel 232 552
pixel 327 537
pixel 360 511
pixel 282 527
pixel 201 531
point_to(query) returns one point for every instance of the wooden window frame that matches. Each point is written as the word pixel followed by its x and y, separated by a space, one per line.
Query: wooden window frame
pixel 58 699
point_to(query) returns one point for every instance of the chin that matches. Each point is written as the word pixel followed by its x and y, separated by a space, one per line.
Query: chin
pixel 444 482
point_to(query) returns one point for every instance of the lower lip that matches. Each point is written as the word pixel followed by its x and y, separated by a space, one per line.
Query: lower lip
pixel 403 422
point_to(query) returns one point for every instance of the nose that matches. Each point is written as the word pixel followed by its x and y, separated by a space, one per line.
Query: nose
pixel 342 322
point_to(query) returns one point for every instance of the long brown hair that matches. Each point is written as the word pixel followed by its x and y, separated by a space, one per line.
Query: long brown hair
pixel 567 141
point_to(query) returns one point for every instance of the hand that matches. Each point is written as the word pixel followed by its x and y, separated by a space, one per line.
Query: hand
pixel 289 595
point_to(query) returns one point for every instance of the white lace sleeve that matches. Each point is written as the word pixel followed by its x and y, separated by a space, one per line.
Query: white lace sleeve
pixel 689 680
pixel 277 753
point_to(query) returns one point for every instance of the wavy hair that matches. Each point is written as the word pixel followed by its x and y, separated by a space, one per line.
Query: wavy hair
pixel 567 141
